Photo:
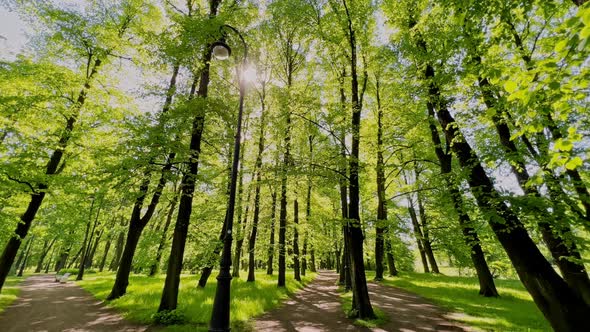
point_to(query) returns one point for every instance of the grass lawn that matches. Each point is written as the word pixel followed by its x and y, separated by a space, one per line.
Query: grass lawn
pixel 143 297
pixel 10 291
pixel 514 310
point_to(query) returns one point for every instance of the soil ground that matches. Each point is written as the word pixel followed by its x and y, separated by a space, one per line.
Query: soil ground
pixel 49 306
pixel 317 308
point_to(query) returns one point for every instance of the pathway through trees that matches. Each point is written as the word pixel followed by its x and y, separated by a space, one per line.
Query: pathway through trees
pixel 318 308
pixel 44 305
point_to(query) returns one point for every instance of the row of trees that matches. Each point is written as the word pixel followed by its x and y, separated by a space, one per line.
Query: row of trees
pixel 460 123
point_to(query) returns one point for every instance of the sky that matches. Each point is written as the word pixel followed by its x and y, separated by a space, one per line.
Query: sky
pixel 12 34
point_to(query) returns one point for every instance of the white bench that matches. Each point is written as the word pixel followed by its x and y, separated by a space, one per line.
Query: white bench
pixel 62 278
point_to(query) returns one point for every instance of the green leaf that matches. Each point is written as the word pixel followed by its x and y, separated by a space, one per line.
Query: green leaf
pixel 564 145
pixel 559 47
pixel 510 86
pixel 574 163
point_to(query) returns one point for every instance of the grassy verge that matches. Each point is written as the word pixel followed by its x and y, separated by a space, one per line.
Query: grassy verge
pixel 514 310
pixel 381 319
pixel 10 291
pixel 143 297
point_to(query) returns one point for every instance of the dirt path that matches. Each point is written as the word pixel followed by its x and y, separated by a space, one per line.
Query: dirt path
pixel 48 306
pixel 317 308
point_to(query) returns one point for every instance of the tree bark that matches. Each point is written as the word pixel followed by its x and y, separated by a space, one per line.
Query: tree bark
pixel 24 263
pixel 418 234
pixel 353 233
pixel 487 286
pixel 296 266
pixel 563 308
pixel 187 185
pixel 107 247
pixel 426 237
pixel 137 224
pixel 380 226
pixel 118 249
pixel 390 259
pixel 155 267
pixel 256 217
pixel 46 249
pixel 271 244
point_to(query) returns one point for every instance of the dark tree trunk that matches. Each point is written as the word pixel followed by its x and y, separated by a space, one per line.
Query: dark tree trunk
pixel 390 259
pixel 19 260
pixel 126 263
pixel 241 224
pixel 296 266
pixel 24 263
pixel 187 186
pixel 552 228
pixel 256 217
pixel 90 258
pixel 380 227
pixel 418 235
pixel 487 287
pixel 118 249
pixel 563 308
pixel 312 267
pixel 271 242
pixel 22 229
pixel 353 232
pixel 75 258
pixel 48 264
pixel 107 247
pixel 154 268
pixel 283 204
pixel 426 237
pixel 46 249
pixel 63 259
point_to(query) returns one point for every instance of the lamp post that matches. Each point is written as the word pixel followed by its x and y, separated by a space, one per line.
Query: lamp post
pixel 221 304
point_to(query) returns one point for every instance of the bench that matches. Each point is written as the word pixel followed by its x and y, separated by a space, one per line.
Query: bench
pixel 62 278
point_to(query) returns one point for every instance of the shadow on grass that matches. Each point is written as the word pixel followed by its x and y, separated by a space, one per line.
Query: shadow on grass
pixel 143 298
pixel 514 310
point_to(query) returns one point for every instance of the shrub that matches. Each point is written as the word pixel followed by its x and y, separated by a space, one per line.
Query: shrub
pixel 169 317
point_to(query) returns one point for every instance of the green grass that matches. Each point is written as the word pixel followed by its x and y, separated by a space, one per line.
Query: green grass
pixel 143 298
pixel 514 310
pixel 10 291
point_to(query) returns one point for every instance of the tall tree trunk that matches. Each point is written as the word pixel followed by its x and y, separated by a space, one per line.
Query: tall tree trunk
pixel 154 268
pixel 187 185
pixel 283 201
pixel 48 264
pixel 487 287
pixel 137 224
pixel 118 249
pixel 553 229
pixel 26 258
pixel 206 271
pixel 240 226
pixel 418 234
pixel 271 241
pixel 390 259
pixel 87 233
pixel 353 232
pixel 563 308
pixel 258 172
pixel 296 266
pixel 380 227
pixel 46 249
pixel 52 167
pixel 426 237
pixel 107 247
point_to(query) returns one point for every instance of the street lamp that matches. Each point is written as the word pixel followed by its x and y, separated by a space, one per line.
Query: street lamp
pixel 220 315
